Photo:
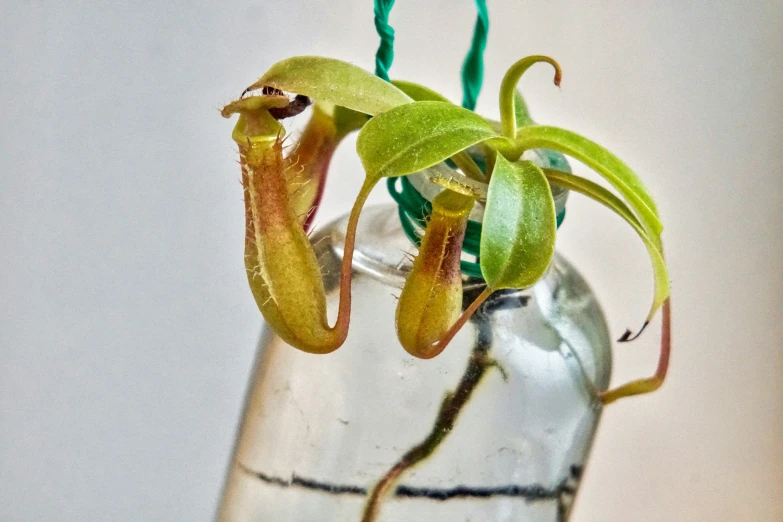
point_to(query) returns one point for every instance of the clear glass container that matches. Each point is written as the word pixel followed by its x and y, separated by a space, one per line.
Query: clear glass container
pixel 496 428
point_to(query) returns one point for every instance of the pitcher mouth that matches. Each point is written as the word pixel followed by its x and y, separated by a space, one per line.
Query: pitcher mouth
pixel 253 103
pixel 427 183
pixel 279 104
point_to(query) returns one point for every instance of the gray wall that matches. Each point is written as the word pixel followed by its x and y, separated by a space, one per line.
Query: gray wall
pixel 128 331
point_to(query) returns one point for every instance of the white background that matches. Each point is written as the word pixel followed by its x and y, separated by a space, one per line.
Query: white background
pixel 127 331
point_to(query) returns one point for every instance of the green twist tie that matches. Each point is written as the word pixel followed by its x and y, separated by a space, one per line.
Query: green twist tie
pixel 384 56
pixel 413 208
pixel 473 66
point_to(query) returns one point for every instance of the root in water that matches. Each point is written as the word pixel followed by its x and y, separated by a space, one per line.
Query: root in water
pixel 450 408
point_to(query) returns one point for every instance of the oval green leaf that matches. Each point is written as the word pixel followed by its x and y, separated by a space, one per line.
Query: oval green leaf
pixel 599 159
pixel 521 112
pixel 419 92
pixel 519 226
pixel 549 158
pixel 416 136
pixel 333 81
pixel 609 200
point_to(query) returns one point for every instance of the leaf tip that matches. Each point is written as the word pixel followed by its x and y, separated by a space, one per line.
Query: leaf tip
pixel 629 336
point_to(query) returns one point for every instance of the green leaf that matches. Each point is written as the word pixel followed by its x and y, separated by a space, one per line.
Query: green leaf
pixel 416 136
pixel 609 200
pixel 333 81
pixel 519 226
pixel 418 92
pixel 346 120
pixel 549 158
pixel 521 112
pixel 602 161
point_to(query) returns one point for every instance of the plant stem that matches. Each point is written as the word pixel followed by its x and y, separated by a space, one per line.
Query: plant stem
pixel 450 409
pixel 469 167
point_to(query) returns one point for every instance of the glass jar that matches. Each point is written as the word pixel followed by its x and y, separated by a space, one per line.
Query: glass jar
pixel 496 428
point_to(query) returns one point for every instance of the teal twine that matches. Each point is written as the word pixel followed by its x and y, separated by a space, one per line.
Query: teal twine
pixel 473 66
pixel 384 56
pixel 413 208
